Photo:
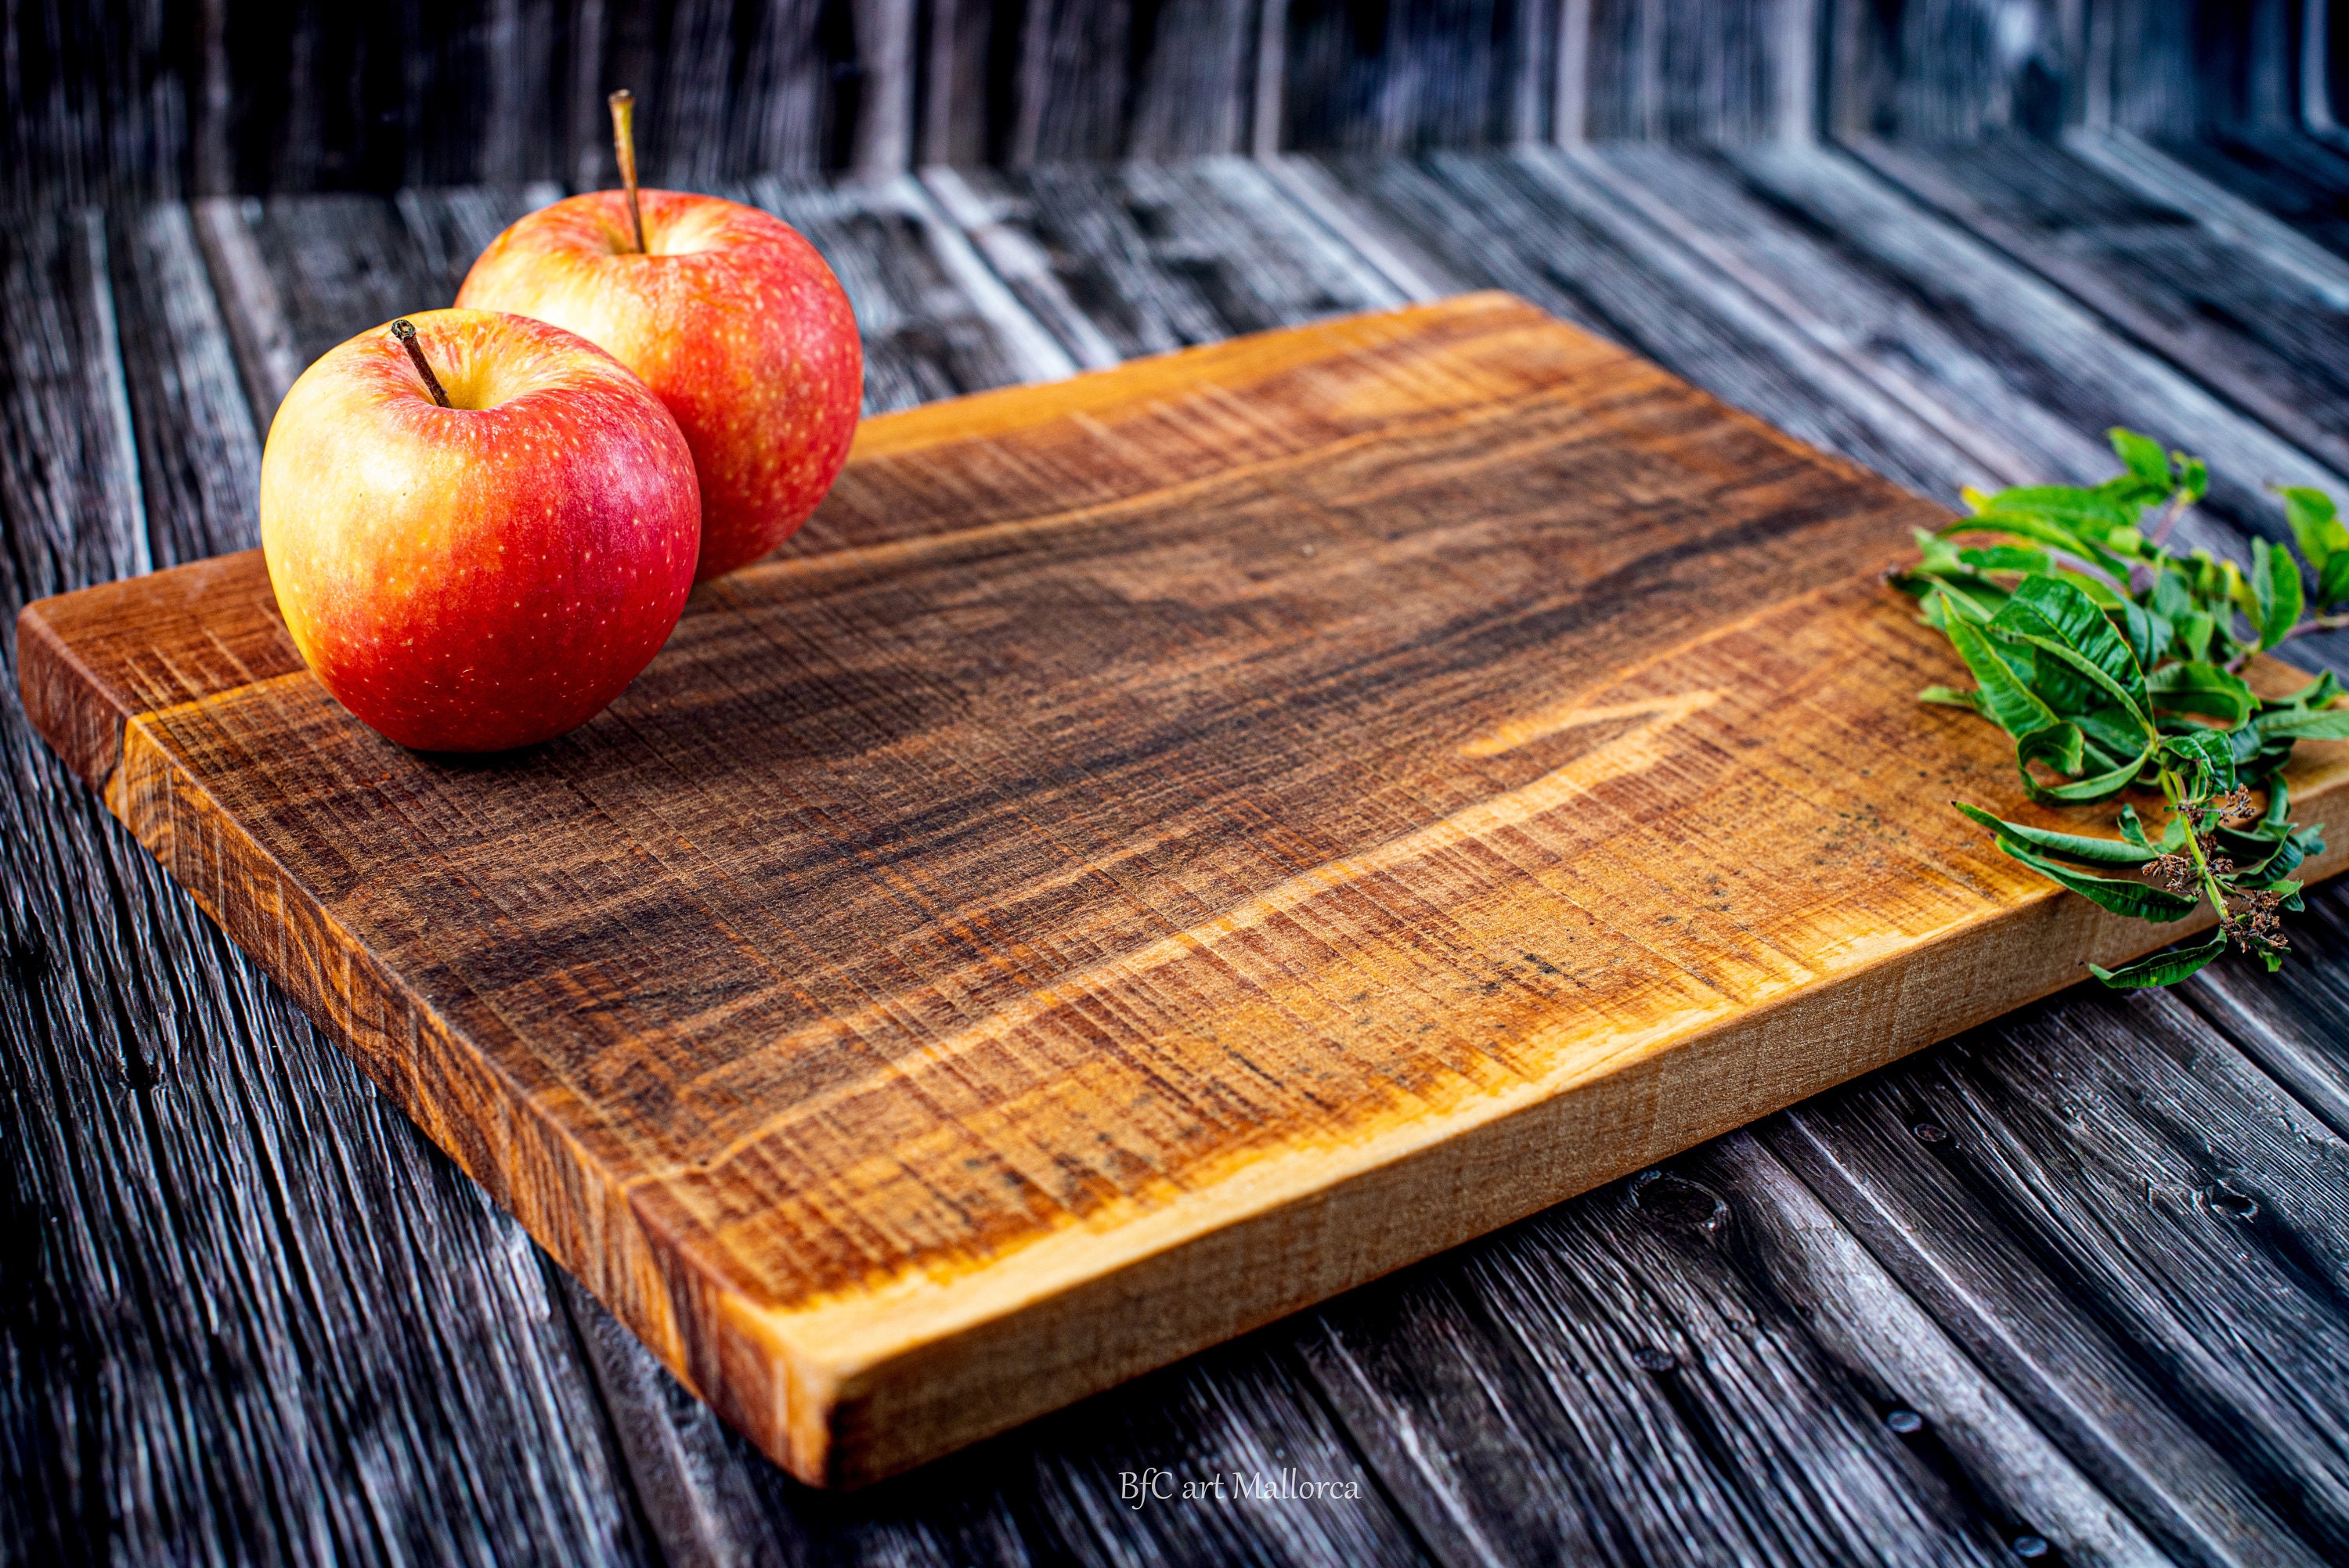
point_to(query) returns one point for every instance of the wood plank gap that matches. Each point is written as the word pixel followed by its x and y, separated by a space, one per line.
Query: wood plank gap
pixel 1024 266
pixel 1570 104
pixel 2132 323
pixel 2139 164
pixel 1879 219
pixel 257 322
pixel 1034 351
pixel 1410 270
pixel 1926 415
pixel 1266 130
pixel 1914 418
pixel 97 277
pixel 1999 1181
pixel 1872 1321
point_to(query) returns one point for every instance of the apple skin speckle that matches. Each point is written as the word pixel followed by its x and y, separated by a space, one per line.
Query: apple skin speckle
pixel 735 323
pixel 490 574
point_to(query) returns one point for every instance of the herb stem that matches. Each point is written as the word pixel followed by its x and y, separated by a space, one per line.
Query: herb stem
pixel 2174 787
pixel 2315 623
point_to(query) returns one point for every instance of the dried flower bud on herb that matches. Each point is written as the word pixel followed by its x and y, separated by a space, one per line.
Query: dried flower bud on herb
pixel 2116 664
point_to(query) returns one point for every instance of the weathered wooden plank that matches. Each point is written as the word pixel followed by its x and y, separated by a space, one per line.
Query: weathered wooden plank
pixel 935 321
pixel 2270 336
pixel 2055 350
pixel 1463 221
pixel 1692 1367
pixel 1056 1492
pixel 1883 332
pixel 1402 75
pixel 2303 180
pixel 1953 70
pixel 2293 1024
pixel 1964 1428
pixel 70 471
pixel 96 105
pixel 253 1314
pixel 2141 1236
pixel 297 275
pixel 199 452
pixel 2140 165
pixel 1141 259
pixel 1059 80
pixel 1691 70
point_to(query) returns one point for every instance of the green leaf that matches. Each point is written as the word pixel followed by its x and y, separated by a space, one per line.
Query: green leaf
pixel 2024 525
pixel 2197 688
pixel 2142 455
pixel 2318 693
pixel 1948 697
pixel 2333 581
pixel 2133 899
pixel 2146 631
pixel 1976 601
pixel 2275 590
pixel 2112 729
pixel 2162 968
pixel 2066 505
pixel 2173 832
pixel 2074 847
pixel 2298 724
pixel 2209 752
pixel 2194 630
pixel 2098 786
pixel 2053 615
pixel 2058 746
pixel 2100 593
pixel 2006 701
pixel 2315 523
pixel 2006 558
pixel 2193 476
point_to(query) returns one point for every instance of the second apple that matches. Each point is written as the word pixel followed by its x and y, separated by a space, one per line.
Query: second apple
pixel 729 316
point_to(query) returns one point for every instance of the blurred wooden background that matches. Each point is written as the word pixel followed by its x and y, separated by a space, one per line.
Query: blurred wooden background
pixel 113 98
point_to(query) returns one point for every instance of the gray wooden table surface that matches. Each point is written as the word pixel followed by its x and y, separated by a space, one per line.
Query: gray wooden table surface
pixel 2074 1288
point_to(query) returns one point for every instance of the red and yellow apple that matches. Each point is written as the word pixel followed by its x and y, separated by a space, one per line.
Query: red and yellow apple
pixel 487 573
pixel 729 316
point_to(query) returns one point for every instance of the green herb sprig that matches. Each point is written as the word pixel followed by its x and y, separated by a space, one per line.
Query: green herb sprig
pixel 2116 664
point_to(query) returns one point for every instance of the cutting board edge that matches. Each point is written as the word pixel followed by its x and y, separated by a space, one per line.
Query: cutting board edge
pixel 85 735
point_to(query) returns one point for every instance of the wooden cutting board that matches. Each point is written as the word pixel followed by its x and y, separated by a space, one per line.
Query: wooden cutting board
pixel 1156 850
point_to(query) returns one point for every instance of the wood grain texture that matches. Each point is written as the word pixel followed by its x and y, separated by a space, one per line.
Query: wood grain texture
pixel 931 1062
pixel 133 99
pixel 2140 1239
pixel 1404 75
pixel 2056 349
pixel 1143 259
pixel 2300 179
pixel 1954 70
pixel 2267 331
pixel 1688 70
pixel 1526 223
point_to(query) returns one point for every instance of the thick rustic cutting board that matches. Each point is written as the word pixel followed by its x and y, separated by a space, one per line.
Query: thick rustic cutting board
pixel 1156 850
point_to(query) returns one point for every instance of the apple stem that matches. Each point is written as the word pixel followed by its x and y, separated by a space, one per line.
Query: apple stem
pixel 404 330
pixel 624 144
